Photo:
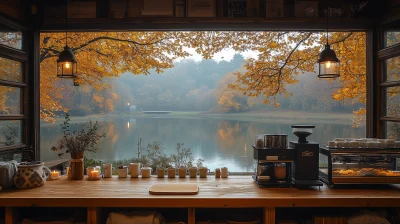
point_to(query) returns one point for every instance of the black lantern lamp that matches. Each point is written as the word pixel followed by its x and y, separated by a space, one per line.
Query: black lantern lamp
pixel 329 65
pixel 67 66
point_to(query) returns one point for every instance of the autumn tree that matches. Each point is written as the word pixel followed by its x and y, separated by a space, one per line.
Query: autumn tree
pixel 282 57
pixel 101 55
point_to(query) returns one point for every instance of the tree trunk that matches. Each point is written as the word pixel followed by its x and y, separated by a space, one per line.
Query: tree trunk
pixel 76 166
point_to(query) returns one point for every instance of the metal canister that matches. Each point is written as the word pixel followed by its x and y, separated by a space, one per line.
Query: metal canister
pixel 275 141
pixel 283 141
pixel 267 141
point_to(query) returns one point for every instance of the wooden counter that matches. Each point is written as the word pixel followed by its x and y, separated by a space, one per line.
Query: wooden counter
pixel 235 191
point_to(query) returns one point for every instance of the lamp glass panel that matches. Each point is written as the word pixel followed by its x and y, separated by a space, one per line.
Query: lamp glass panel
pixel 66 68
pixel 329 68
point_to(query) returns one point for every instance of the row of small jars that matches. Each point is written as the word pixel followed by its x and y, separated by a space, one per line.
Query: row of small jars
pixel 363 143
pixel 182 172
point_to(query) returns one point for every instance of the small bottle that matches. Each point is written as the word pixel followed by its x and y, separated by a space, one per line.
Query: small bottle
pixel 217 173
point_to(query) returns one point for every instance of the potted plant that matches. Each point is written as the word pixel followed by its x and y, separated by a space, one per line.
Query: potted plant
pixel 76 142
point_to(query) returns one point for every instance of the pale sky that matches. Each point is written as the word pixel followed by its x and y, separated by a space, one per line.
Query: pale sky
pixel 226 54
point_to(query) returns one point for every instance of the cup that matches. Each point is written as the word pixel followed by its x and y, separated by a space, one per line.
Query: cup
pixel 123 172
pixel 363 144
pixel 193 172
pixel 161 172
pixel 108 170
pixel 339 144
pixel 347 145
pixel 146 172
pixel 134 169
pixel 331 144
pixel 217 172
pixel 171 172
pixel 203 172
pixel 182 171
pixel 224 172
pixel 355 144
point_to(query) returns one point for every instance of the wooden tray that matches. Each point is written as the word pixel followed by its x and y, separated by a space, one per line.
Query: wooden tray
pixel 174 189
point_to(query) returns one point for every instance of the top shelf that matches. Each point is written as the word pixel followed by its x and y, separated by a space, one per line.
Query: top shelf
pixel 209 24
pixel 361 150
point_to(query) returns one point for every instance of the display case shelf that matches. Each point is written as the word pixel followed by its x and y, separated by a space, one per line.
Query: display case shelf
pixel 359 166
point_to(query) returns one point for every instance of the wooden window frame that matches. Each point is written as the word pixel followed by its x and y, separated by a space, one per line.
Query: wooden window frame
pixel 383 54
pixel 19 55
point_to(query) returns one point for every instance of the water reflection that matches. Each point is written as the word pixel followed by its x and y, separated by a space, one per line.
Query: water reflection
pixel 219 142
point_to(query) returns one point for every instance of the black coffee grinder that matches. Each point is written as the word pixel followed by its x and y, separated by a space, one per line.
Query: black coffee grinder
pixel 305 169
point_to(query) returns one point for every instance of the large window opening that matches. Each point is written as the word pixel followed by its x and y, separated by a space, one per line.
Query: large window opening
pixel 211 91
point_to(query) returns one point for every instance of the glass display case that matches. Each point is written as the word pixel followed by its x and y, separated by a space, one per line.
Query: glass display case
pixel 359 166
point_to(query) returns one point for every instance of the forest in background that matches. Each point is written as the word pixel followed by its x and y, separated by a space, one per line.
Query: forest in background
pixel 202 86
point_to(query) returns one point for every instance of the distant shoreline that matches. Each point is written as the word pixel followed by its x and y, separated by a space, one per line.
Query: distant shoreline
pixel 285 117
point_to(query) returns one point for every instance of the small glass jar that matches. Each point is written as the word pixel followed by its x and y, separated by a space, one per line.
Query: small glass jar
pixel 280 171
pixel 260 141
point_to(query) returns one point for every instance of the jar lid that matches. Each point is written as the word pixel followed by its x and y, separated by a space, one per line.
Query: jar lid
pixel 280 164
pixel 303 126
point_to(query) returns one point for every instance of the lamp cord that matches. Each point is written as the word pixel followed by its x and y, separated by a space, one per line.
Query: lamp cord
pixel 327 25
pixel 66 23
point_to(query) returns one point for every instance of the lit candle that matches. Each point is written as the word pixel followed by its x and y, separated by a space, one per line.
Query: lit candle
pixel 55 174
pixel 95 174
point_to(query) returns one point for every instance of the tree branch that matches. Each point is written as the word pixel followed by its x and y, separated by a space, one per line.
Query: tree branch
pixel 342 40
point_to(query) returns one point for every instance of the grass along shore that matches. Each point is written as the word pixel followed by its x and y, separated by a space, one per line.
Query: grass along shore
pixel 285 117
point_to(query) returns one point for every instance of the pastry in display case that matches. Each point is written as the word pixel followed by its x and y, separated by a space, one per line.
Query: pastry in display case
pixel 359 166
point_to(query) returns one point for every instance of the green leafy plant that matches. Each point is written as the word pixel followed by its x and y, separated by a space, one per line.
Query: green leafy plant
pixel 84 139
pixel 155 157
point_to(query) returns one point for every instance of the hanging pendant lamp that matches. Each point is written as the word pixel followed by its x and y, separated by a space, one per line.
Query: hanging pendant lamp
pixel 329 65
pixel 66 62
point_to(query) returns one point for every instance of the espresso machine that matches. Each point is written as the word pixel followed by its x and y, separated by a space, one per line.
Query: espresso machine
pixel 305 168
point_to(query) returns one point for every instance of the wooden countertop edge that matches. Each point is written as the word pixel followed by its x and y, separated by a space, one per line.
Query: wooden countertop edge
pixel 163 202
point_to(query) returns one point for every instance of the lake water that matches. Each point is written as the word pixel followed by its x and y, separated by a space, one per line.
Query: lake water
pixel 220 142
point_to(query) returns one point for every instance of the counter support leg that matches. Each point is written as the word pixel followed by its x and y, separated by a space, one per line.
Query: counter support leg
pixel 11 216
pixel 191 216
pixel 269 215
pixel 92 216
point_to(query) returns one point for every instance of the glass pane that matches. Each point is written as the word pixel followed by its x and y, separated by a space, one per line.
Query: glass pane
pixel 10 70
pixel 8 156
pixel 392 95
pixel 392 37
pixel 393 130
pixel 392 69
pixel 10 37
pixel 10 102
pixel 10 133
